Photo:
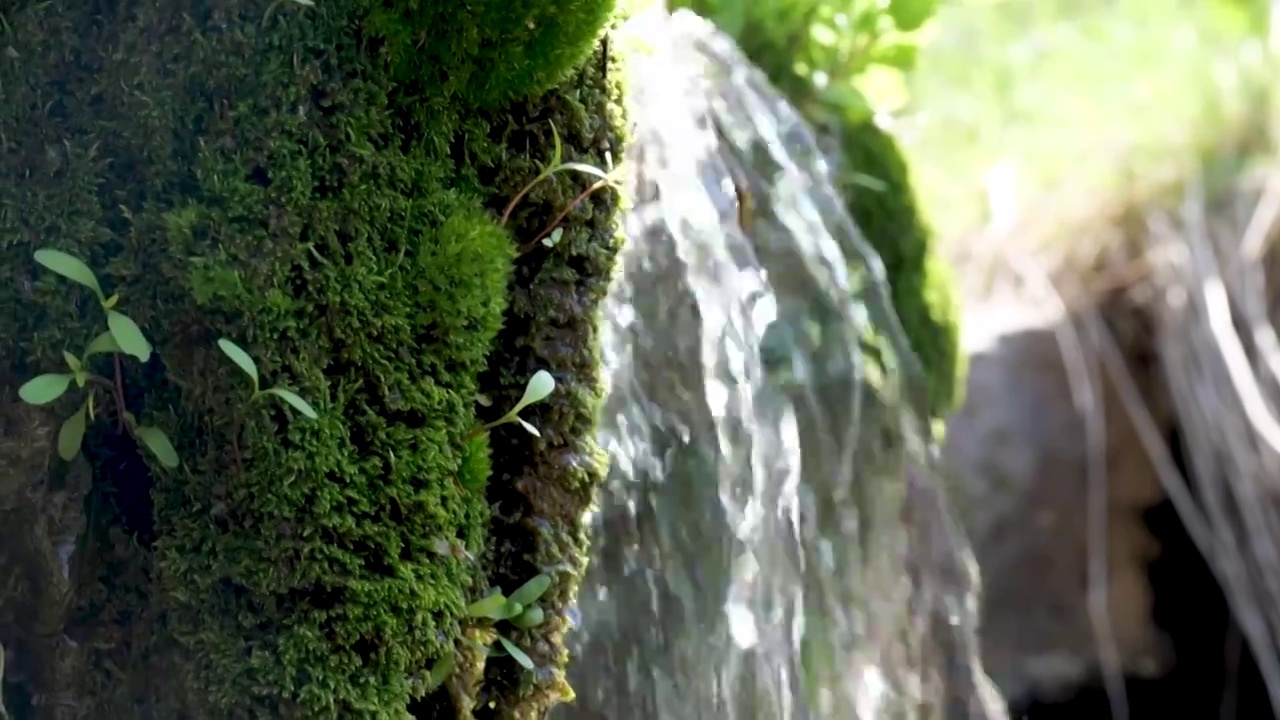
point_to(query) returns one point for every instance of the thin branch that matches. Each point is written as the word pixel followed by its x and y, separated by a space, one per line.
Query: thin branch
pixel 1083 378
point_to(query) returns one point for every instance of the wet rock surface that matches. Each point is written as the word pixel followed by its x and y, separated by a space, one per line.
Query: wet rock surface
pixel 41 518
pixel 759 514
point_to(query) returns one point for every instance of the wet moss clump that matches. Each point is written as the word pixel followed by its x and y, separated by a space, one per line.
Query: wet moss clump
pixel 322 185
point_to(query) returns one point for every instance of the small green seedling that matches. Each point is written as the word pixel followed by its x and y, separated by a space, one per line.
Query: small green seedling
pixel 518 609
pixel 123 336
pixel 553 166
pixel 128 336
pixel 553 239
pixel 553 232
pixel 250 368
pixel 539 387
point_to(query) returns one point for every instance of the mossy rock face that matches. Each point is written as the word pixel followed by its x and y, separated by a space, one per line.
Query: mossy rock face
pixel 297 179
pixel 874 179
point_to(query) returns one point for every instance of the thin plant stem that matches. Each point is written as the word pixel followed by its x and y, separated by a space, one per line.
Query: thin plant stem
pixel 119 389
pixel 511 206
pixel 563 214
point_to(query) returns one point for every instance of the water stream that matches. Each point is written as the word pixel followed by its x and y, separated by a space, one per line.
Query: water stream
pixel 772 542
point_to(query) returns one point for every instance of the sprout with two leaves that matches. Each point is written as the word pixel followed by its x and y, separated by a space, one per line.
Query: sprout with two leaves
pixel 250 368
pixel 539 387
pixel 122 337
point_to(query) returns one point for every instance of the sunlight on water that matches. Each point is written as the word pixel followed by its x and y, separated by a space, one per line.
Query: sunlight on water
pixel 752 557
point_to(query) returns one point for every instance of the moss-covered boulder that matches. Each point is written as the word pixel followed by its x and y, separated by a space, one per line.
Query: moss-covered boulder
pixel 813 51
pixel 324 185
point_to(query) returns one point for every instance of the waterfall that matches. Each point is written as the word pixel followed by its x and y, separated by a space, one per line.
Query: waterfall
pixel 773 541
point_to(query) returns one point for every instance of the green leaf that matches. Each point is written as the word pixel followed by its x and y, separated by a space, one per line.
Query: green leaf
pixel 731 18
pixel 910 15
pixel 528 426
pixel 491 607
pixel 158 443
pixel 528 593
pixel 44 389
pixel 583 168
pixel 240 358
pixel 71 434
pixel 555 152
pixel 539 387
pixel 900 56
pixel 104 343
pixel 850 99
pixel 73 362
pixel 531 617
pixel 516 653
pixel 511 610
pixel 128 335
pixel 441 670
pixel 72 268
pixel 292 398
pixel 554 237
pixel 111 301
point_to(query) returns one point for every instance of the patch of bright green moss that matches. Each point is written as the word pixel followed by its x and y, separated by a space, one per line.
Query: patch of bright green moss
pixel 489 52
pixel 291 177
pixel 875 181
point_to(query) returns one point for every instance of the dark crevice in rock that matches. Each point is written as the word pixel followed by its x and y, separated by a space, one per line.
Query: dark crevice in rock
pixel 122 480
pixel 1213 674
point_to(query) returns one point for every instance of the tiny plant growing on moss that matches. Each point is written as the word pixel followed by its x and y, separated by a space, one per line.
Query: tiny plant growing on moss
pixel 538 388
pixel 250 368
pixel 553 166
pixel 551 234
pixel 123 336
pixel 519 609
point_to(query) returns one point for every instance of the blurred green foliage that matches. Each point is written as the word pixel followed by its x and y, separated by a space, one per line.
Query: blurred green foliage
pixel 815 51
pixel 1091 102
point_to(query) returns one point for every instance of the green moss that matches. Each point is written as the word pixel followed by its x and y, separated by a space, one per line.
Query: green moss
pixel 875 181
pixel 275 173
pixel 494 51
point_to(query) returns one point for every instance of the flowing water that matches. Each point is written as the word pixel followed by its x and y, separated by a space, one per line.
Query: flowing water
pixel 772 542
